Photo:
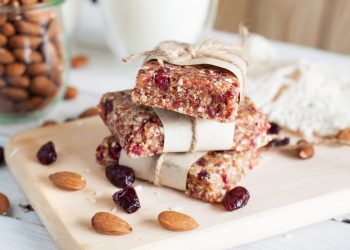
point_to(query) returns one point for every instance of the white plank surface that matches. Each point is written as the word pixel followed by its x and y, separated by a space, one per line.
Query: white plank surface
pixel 103 74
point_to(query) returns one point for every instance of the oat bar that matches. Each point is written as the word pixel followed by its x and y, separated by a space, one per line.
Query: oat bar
pixel 203 91
pixel 209 178
pixel 140 132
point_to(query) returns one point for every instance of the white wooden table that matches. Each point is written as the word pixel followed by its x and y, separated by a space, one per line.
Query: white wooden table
pixel 22 229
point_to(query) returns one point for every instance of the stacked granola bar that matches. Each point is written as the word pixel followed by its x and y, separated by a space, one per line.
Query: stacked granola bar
pixel 201 91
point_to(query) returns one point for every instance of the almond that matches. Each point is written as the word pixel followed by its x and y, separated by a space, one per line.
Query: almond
pixel 15 69
pixel 71 93
pixel 29 28
pixel 3 40
pixel 7 29
pixel 89 112
pixel 24 41
pixel 6 56
pixel 28 56
pixel 14 94
pixel 344 135
pixel 19 81
pixel 43 86
pixel 3 18
pixel 41 16
pixel 68 180
pixel 4 204
pixel 304 149
pixel 79 61
pixel 29 2
pixel 49 123
pixel 38 69
pixel 176 221
pixel 2 70
pixel 110 224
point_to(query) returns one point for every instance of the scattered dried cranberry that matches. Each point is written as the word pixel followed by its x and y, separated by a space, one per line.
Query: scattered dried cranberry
pixel 161 80
pixel 278 143
pixel 2 158
pixel 47 153
pixel 236 198
pixel 203 175
pixel 120 176
pixel 114 151
pixel 127 199
pixel 274 128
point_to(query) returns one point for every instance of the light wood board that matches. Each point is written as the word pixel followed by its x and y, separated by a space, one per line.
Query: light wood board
pixel 286 193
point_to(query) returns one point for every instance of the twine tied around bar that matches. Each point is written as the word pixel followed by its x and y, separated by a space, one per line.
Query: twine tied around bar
pixel 180 53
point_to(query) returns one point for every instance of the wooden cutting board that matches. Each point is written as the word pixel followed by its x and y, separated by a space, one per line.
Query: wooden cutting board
pixel 286 193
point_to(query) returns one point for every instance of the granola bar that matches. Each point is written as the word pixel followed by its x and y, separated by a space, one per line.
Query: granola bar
pixel 140 132
pixel 203 91
pixel 209 178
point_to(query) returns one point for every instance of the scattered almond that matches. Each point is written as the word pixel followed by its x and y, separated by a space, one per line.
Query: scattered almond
pixel 79 61
pixel 110 224
pixel 49 123
pixel 68 180
pixel 89 112
pixel 344 135
pixel 304 149
pixel 71 93
pixel 4 204
pixel 176 221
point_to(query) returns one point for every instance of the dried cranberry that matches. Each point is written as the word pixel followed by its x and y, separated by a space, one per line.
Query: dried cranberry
pixel 274 128
pixel 120 176
pixel 47 153
pixel 161 80
pixel 278 143
pixel 114 151
pixel 137 150
pixel 99 153
pixel 127 199
pixel 2 158
pixel 201 162
pixel 236 198
pixel 202 175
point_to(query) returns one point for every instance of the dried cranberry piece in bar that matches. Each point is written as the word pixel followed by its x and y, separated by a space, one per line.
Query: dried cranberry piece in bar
pixel 202 91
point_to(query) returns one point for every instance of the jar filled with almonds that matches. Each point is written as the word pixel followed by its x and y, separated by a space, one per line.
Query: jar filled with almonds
pixel 33 63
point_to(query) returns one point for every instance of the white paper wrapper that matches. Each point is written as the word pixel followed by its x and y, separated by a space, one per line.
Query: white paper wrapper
pixel 173 171
pixel 179 133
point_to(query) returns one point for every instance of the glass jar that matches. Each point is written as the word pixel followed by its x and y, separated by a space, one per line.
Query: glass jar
pixel 33 62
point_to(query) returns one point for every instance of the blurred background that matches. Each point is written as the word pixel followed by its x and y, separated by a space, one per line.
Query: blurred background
pixel 316 23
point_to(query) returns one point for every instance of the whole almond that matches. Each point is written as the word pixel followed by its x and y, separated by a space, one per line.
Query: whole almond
pixel 28 56
pixel 79 61
pixel 3 40
pixel 53 29
pixel 110 224
pixel 14 94
pixel 6 56
pixel 25 41
pixel 68 180
pixel 304 149
pixel 4 204
pixel 344 135
pixel 176 221
pixel 15 69
pixel 19 81
pixel 29 28
pixel 31 104
pixel 38 69
pixel 89 112
pixel 43 86
pixel 49 123
pixel 7 29
pixel 71 93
